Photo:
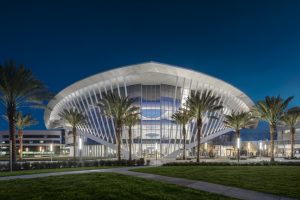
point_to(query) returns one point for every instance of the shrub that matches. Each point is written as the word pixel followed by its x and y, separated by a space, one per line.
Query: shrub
pixel 71 164
pixel 263 163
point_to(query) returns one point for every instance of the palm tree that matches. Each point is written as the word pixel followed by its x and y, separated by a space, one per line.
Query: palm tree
pixel 271 110
pixel 182 117
pixel 200 103
pixel 23 121
pixel 19 88
pixel 131 120
pixel 291 118
pixel 73 118
pixel 117 107
pixel 238 121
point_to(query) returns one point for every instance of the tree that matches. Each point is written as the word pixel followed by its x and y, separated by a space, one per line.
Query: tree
pixel 131 120
pixel 291 118
pixel 117 107
pixel 73 118
pixel 23 121
pixel 182 117
pixel 19 88
pixel 271 110
pixel 200 103
pixel 238 121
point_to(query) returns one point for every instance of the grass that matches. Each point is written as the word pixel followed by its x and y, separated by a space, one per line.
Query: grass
pixel 38 171
pixel 97 186
pixel 280 180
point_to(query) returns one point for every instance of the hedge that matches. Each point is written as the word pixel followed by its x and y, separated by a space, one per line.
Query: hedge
pixel 263 163
pixel 71 164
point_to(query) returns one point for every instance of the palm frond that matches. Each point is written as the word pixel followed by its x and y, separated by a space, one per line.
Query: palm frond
pixel 73 117
pixel 239 120
pixel 201 102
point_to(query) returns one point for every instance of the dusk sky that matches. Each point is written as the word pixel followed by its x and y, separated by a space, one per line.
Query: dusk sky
pixel 253 45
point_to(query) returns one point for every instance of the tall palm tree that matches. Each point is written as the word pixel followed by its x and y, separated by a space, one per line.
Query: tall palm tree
pixel 23 121
pixel 291 118
pixel 19 88
pixel 182 117
pixel 73 118
pixel 117 107
pixel 131 120
pixel 200 103
pixel 271 110
pixel 238 121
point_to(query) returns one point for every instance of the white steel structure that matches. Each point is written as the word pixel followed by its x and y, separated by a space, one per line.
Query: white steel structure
pixel 159 90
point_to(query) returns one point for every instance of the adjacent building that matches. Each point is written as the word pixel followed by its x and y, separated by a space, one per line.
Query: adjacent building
pixel 37 142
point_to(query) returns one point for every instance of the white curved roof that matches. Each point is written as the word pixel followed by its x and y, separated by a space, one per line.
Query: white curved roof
pixel 150 73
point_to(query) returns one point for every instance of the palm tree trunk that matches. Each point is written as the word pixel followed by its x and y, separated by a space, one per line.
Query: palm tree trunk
pixel 11 112
pixel 119 132
pixel 238 148
pixel 129 142
pixel 183 133
pixel 199 127
pixel 292 141
pixel 20 134
pixel 272 130
pixel 74 140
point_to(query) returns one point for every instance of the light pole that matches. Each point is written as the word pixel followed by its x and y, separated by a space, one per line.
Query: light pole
pixel 260 148
pixel 156 151
pixel 238 144
pixel 205 148
pixel 51 150
pixel 80 147
pixel 266 152
pixel 248 149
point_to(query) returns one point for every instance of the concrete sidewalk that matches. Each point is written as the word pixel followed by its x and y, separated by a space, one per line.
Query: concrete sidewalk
pixel 198 185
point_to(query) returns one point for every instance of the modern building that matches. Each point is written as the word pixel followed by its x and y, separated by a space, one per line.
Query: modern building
pixel 284 142
pixel 36 142
pixel 158 90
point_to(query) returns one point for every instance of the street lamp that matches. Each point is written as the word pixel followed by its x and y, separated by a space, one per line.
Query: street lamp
pixel 266 150
pixel 260 148
pixel 51 150
pixel 205 147
pixel 80 147
pixel 248 149
pixel 238 144
pixel 156 150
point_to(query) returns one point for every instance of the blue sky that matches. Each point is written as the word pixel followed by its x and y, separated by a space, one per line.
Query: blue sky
pixel 253 45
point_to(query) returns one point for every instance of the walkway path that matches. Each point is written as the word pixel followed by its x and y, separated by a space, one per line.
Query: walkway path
pixel 198 185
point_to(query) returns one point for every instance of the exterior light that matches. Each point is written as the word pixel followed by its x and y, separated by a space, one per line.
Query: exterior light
pixel 80 143
pixel 248 145
pixel 260 145
pixel 51 147
pixel 238 143
pixel 156 151
pixel 205 145
pixel 41 149
pixel 265 146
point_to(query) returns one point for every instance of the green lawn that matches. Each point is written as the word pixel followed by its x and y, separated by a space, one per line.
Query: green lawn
pixel 281 180
pixel 96 186
pixel 38 171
